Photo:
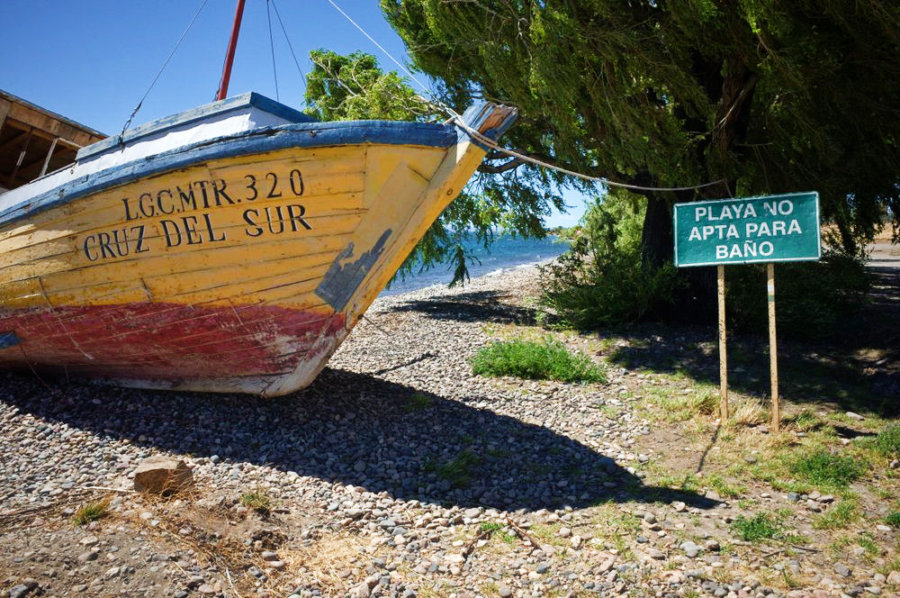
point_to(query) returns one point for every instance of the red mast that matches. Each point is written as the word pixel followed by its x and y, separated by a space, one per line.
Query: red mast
pixel 229 56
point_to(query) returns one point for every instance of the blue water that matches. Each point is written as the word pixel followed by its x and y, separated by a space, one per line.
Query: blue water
pixel 504 253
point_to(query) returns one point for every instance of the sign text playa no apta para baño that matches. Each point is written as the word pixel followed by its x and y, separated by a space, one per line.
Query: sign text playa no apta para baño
pixel 774 228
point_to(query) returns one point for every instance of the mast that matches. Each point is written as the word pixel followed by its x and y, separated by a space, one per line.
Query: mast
pixel 229 55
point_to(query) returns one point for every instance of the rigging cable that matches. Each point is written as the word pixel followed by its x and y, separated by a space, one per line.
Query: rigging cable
pixel 458 121
pixel 272 47
pixel 290 46
pixel 165 64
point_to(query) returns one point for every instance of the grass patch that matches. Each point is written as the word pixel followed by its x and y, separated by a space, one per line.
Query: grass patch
pixel 91 511
pixel 535 361
pixel 824 469
pixel 459 470
pixel 887 443
pixel 840 515
pixel 893 519
pixel 759 527
pixel 417 402
pixel 257 500
pixel 724 488
pixel 491 529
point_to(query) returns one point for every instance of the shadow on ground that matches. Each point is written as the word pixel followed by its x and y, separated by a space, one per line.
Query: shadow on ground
pixel 359 430
pixel 858 371
pixel 478 306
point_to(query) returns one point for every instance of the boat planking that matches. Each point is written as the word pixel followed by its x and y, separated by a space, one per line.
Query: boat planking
pixel 230 248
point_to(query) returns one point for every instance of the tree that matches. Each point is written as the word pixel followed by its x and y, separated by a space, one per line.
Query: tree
pixel 354 87
pixel 760 96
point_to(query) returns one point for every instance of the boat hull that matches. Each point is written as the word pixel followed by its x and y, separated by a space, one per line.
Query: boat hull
pixel 218 269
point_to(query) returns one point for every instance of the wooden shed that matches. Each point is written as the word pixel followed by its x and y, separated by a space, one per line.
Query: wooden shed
pixel 35 141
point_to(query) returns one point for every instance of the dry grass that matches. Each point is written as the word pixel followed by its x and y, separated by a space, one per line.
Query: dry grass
pixel 91 511
pixel 749 413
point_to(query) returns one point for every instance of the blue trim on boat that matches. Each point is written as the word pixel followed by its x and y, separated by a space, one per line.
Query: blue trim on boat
pixel 9 339
pixel 265 139
pixel 246 100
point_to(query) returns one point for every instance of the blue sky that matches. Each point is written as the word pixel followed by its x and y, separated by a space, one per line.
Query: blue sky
pixel 93 60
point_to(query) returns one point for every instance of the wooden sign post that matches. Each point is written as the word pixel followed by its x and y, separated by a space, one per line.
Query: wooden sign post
pixel 774 228
pixel 773 346
pixel 723 351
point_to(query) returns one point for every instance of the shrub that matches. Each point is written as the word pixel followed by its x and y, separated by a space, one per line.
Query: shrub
pixel 602 279
pixel 535 361
pixel 824 469
pixel 813 299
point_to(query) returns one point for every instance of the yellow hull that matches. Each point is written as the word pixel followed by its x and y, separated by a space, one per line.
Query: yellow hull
pixel 239 273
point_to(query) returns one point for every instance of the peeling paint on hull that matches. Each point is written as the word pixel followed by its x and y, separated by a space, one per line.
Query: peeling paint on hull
pixel 168 342
pixel 228 249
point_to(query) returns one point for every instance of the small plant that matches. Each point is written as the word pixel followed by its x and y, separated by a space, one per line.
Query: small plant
pixel 459 470
pixel 91 511
pixel 758 527
pixel 417 402
pixel 491 529
pixel 257 500
pixel 838 516
pixel 824 469
pixel 806 421
pixel 535 361
pixel 893 519
pixel 887 443
pixel 724 488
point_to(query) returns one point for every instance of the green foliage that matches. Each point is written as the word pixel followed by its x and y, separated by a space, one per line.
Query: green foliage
pixel 827 470
pixel 257 500
pixel 767 97
pixel 887 443
pixel 91 511
pixel 493 528
pixel 893 519
pixel 814 299
pixel 353 87
pixel 417 402
pixel 759 527
pixel 459 470
pixel 535 361
pixel 840 515
pixel 603 278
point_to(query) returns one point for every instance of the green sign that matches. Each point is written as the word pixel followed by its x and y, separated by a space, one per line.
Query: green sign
pixel 775 228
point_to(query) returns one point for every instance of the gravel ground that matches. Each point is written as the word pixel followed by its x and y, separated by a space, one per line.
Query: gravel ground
pixel 397 473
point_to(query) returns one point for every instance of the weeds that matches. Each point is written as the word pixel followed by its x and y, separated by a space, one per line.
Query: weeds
pixel 91 511
pixel 887 443
pixel 417 402
pixel 459 470
pixel 492 529
pixel 535 361
pixel 840 515
pixel 893 519
pixel 824 469
pixel 257 500
pixel 756 528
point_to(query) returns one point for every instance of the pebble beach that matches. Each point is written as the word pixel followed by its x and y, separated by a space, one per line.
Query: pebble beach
pixel 398 473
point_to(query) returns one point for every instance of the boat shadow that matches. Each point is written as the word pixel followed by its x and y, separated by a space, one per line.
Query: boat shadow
pixel 475 306
pixel 360 430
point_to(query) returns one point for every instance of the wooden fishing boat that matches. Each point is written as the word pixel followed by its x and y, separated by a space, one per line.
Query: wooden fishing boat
pixel 228 248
